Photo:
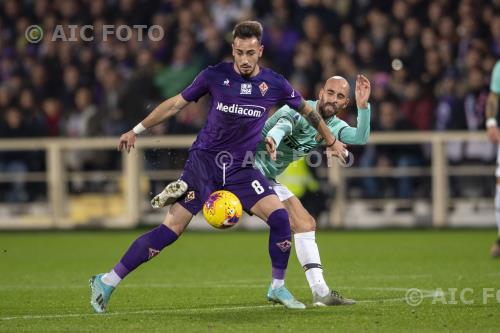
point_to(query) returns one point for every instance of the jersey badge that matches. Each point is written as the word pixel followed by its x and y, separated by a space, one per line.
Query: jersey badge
pixel 284 245
pixel 190 196
pixel 263 88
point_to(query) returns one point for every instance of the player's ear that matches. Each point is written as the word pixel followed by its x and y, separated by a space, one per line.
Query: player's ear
pixel 232 50
pixel 321 91
pixel 261 50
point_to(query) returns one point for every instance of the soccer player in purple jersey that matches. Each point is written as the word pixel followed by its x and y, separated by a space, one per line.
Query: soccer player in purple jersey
pixel 242 94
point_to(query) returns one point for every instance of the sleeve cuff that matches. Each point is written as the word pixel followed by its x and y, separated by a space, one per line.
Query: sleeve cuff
pixel 277 135
pixel 367 108
pixel 491 122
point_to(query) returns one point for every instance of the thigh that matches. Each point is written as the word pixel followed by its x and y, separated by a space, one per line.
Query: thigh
pixel 497 172
pixel 266 206
pixel 250 186
pixel 202 176
pixel 300 219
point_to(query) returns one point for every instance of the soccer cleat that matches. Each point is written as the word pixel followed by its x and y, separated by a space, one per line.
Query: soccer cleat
pixel 170 194
pixel 99 293
pixel 332 298
pixel 283 296
pixel 495 249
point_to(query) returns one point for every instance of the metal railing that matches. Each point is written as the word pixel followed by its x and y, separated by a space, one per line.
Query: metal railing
pixel 56 175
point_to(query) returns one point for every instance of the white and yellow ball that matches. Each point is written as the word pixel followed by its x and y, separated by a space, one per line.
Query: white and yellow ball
pixel 222 209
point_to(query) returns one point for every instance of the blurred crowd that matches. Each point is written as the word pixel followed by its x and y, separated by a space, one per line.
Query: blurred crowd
pixel 429 63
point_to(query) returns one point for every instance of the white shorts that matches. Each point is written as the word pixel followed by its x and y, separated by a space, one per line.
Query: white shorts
pixel 281 190
pixel 497 172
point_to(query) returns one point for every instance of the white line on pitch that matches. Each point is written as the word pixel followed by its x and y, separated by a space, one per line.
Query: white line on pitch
pixel 166 311
pixel 427 294
pixel 200 285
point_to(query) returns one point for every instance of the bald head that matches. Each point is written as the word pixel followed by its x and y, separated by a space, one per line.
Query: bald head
pixel 334 96
pixel 339 82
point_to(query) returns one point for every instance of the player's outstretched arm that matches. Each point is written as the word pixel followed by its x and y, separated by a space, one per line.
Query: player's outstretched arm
pixel 491 116
pixel 362 93
pixel 359 135
pixel 332 144
pixel 162 112
pixel 492 104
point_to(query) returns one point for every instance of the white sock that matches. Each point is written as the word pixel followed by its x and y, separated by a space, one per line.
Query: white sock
pixel 308 253
pixel 497 208
pixel 111 278
pixel 277 283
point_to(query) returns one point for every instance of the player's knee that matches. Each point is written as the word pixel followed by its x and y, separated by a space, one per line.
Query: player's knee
pixel 305 224
pixel 171 223
pixel 278 221
pixel 178 229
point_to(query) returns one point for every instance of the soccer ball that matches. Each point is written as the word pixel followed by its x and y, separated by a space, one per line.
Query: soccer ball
pixel 222 209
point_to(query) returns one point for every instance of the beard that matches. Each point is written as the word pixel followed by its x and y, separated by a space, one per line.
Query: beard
pixel 328 110
pixel 246 71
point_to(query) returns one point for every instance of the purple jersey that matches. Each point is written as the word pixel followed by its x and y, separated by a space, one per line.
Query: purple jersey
pixel 239 107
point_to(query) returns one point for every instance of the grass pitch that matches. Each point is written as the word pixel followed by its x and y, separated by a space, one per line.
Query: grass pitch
pixel 216 282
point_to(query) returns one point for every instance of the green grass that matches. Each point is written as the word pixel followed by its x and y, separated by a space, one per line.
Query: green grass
pixel 216 282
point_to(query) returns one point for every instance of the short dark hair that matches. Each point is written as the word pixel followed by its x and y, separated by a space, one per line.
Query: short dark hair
pixel 248 29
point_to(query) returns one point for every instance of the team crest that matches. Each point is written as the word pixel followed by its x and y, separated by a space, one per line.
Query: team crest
pixel 263 88
pixel 190 196
pixel 284 245
pixel 246 89
pixel 318 138
pixel 152 253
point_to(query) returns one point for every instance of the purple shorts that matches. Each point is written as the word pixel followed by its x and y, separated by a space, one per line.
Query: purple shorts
pixel 204 176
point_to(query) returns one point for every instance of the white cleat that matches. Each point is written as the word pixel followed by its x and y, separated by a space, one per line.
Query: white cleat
pixel 332 298
pixel 170 194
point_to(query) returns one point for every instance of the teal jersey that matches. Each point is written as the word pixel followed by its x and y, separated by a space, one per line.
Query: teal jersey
pixel 295 137
pixel 495 79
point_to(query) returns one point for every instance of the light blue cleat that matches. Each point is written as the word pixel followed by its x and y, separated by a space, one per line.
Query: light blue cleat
pixel 100 293
pixel 283 296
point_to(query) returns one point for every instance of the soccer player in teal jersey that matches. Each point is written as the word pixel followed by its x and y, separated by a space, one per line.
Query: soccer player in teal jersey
pixel 288 137
pixel 492 130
